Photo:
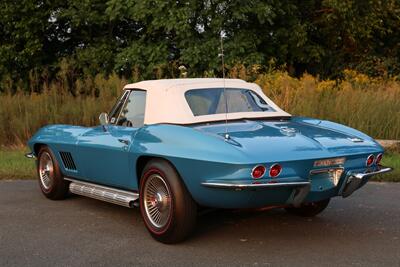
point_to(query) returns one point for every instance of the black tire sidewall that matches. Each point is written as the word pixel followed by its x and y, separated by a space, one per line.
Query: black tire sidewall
pixel 59 186
pixel 181 223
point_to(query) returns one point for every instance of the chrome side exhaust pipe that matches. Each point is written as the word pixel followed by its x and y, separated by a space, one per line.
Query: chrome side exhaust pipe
pixel 103 193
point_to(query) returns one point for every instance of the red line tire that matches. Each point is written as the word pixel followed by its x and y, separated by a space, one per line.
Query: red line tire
pixel 168 210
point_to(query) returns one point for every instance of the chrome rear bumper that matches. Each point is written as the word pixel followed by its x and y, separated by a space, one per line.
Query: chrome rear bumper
pixel 349 183
pixel 300 189
pixel 356 180
pixel 239 186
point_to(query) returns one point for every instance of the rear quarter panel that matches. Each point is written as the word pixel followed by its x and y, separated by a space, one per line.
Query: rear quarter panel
pixel 200 157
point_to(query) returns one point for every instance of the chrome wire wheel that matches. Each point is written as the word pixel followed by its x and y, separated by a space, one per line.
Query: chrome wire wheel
pixel 46 170
pixel 157 201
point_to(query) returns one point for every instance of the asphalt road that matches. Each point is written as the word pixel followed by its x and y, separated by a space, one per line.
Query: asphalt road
pixel 363 230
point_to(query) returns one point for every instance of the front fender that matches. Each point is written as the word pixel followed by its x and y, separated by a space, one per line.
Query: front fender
pixel 57 134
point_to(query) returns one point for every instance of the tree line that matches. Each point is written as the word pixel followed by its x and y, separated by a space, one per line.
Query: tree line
pixel 145 39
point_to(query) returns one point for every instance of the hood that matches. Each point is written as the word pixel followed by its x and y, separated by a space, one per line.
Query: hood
pixel 289 140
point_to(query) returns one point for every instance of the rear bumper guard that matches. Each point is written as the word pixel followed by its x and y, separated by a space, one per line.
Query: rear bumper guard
pixel 356 180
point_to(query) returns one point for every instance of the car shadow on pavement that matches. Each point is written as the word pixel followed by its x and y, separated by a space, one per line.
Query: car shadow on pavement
pixel 218 224
pixel 272 225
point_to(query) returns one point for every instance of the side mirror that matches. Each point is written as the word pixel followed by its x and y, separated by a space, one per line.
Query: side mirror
pixel 103 118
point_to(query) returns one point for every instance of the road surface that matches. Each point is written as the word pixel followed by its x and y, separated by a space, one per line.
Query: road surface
pixel 363 230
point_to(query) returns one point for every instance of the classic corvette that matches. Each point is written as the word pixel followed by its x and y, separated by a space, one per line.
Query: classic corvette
pixel 172 146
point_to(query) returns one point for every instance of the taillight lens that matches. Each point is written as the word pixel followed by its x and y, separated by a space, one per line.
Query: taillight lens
pixel 370 160
pixel 379 158
pixel 258 172
pixel 275 170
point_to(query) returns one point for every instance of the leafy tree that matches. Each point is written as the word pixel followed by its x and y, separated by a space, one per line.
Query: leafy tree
pixel 151 38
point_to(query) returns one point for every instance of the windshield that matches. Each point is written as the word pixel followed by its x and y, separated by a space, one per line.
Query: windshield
pixel 212 101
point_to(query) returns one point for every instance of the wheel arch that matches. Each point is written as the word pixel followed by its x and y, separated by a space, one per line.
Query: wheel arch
pixel 144 159
pixel 36 148
pixel 183 212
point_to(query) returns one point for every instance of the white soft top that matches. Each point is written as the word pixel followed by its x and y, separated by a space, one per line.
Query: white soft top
pixel 166 102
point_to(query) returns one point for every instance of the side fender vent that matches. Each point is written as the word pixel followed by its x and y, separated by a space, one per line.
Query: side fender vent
pixel 68 161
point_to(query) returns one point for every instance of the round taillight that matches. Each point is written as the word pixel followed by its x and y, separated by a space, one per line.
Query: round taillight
pixel 258 172
pixel 379 158
pixel 370 160
pixel 275 170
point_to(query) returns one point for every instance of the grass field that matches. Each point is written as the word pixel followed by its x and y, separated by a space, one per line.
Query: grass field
pixel 390 160
pixel 371 105
pixel 14 165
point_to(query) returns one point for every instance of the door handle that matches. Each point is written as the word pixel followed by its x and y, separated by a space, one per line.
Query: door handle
pixel 125 142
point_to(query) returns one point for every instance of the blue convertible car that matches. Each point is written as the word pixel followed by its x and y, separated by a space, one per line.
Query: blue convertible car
pixel 172 146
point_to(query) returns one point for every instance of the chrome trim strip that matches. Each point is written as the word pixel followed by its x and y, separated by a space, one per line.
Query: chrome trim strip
pixel 104 193
pixel 123 106
pixel 368 174
pixel 114 108
pixel 256 185
pixel 324 170
pixel 30 155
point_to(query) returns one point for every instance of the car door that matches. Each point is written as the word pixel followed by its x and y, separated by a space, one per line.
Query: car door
pixel 103 151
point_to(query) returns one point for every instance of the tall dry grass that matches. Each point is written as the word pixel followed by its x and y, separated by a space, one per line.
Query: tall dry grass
pixel 370 105
pixel 22 114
